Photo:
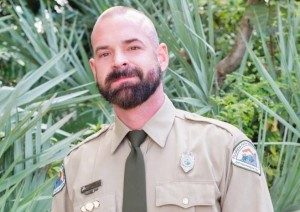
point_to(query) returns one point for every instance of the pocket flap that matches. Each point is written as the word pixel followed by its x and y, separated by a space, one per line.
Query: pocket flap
pixel 185 194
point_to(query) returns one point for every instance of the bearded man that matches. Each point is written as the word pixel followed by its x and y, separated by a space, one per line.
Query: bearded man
pixel 154 157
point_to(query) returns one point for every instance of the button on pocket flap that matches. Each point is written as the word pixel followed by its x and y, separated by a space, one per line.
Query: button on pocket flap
pixel 185 194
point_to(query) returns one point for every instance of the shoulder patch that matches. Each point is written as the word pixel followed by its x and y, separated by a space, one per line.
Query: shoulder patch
pixel 245 156
pixel 60 181
pixel 103 129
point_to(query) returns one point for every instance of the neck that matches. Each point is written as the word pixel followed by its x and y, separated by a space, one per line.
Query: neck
pixel 135 118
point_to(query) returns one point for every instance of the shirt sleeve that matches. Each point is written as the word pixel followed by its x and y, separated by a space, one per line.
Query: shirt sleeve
pixel 247 188
pixel 247 192
pixel 61 202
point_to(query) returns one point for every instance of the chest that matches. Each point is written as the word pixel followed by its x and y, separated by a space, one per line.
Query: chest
pixel 181 176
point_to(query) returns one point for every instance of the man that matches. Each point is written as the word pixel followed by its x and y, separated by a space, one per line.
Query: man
pixel 183 162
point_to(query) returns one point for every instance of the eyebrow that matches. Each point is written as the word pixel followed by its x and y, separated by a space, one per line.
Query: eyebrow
pixel 125 41
pixel 100 48
pixel 133 40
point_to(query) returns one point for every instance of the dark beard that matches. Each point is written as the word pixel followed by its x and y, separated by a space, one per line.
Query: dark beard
pixel 130 95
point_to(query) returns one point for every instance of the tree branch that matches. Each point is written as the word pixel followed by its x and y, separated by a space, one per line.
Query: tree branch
pixel 232 61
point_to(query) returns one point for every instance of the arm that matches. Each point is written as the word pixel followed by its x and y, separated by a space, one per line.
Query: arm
pixel 247 189
pixel 61 201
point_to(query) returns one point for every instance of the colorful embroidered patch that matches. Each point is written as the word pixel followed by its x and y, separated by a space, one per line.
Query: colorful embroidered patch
pixel 244 155
pixel 60 182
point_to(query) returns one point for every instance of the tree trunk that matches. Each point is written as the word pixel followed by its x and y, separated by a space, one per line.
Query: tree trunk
pixel 232 61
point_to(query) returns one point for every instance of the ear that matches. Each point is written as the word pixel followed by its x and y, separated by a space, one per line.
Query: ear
pixel 92 65
pixel 163 56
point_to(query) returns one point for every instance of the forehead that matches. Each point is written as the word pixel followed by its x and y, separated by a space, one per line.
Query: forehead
pixel 114 30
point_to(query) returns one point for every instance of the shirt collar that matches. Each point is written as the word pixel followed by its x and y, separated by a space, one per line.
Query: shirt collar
pixel 157 128
pixel 119 131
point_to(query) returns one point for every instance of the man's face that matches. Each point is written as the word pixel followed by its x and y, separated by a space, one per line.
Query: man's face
pixel 125 63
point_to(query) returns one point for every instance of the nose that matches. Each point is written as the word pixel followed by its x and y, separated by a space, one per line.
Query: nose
pixel 120 60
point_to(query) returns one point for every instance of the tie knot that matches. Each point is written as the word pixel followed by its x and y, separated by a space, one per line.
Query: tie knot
pixel 136 137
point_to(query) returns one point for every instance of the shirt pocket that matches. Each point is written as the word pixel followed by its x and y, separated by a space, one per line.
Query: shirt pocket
pixel 103 203
pixel 185 194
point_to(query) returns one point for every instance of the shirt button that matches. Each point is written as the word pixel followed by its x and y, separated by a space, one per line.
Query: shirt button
pixel 185 201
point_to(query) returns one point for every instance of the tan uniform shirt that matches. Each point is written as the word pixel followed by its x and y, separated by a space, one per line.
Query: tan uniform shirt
pixel 212 184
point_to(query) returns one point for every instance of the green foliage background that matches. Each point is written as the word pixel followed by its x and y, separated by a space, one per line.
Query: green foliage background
pixel 49 102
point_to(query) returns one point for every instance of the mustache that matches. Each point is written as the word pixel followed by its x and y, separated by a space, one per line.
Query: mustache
pixel 120 73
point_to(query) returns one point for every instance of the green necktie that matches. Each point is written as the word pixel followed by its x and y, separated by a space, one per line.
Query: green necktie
pixel 134 194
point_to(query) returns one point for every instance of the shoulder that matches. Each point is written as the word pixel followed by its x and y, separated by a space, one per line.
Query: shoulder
pixel 103 130
pixel 240 150
pixel 227 128
pixel 80 156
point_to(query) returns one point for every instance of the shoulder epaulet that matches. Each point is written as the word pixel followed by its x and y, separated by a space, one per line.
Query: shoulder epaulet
pixel 226 126
pixel 103 129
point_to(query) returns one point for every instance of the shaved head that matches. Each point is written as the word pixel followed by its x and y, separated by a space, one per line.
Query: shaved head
pixel 132 15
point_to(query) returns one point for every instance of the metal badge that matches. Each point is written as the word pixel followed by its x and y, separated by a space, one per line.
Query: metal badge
pixel 187 161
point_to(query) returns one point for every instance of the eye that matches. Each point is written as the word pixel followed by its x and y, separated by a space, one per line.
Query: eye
pixel 132 48
pixel 104 54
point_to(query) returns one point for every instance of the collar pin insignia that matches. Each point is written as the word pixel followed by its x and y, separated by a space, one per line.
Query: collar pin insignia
pixel 96 204
pixel 89 206
pixel 83 209
pixel 187 161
